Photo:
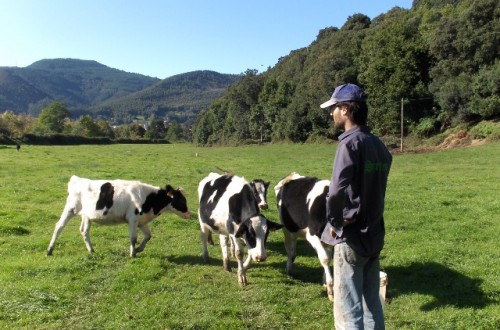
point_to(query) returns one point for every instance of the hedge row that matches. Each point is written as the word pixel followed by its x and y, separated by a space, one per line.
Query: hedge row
pixel 61 139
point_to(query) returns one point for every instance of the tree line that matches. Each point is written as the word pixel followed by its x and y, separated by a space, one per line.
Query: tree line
pixel 55 119
pixel 439 59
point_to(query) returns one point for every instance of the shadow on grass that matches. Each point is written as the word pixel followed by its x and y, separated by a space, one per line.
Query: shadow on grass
pixel 448 287
pixel 192 260
pixel 302 273
pixel 16 231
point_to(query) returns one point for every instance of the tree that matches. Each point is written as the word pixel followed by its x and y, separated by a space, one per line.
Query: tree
pixel 52 118
pixel 465 45
pixel 174 132
pixel 15 125
pixel 393 65
pixel 86 126
pixel 156 129
pixel 105 130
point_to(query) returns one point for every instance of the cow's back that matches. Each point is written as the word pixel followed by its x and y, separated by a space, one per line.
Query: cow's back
pixel 123 197
pixel 302 204
pixel 224 200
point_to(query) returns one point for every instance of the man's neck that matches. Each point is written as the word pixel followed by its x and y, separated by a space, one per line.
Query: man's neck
pixel 349 125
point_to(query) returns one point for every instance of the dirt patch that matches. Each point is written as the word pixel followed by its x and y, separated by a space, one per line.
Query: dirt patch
pixel 478 142
pixel 458 139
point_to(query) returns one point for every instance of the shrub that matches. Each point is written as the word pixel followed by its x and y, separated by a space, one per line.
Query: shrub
pixel 485 129
pixel 426 127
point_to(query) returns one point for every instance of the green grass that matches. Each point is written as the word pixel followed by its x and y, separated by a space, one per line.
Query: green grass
pixel 441 254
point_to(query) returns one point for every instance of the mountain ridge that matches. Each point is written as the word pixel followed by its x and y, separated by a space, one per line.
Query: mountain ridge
pixel 89 87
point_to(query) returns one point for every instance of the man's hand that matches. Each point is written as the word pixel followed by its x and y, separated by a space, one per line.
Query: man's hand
pixel 347 222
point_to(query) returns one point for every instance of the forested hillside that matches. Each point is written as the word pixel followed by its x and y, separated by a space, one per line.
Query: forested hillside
pixel 440 59
pixel 78 83
pixel 177 99
pixel 118 97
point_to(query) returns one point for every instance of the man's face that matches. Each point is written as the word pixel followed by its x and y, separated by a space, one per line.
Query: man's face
pixel 338 117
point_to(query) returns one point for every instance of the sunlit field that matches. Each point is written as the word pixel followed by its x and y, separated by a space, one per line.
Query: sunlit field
pixel 441 253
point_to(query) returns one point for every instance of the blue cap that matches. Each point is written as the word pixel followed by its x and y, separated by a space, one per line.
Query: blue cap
pixel 343 93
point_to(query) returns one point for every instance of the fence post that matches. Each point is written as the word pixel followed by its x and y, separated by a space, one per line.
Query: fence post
pixel 402 128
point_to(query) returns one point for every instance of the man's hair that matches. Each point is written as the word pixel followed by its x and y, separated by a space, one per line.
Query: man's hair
pixel 358 111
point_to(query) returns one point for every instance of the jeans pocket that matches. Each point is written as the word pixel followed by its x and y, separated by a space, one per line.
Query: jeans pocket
pixel 349 255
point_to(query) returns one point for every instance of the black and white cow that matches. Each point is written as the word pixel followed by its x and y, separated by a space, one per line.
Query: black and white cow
pixel 229 207
pixel 118 201
pixel 259 188
pixel 301 203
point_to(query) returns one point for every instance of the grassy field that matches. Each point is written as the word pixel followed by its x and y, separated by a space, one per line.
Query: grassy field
pixel 442 247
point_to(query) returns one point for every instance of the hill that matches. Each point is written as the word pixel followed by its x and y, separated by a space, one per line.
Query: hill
pixel 117 96
pixel 78 83
pixel 178 98
pixel 438 61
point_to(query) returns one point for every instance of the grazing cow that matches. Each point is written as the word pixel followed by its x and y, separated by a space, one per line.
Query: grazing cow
pixel 259 188
pixel 118 201
pixel 301 203
pixel 229 207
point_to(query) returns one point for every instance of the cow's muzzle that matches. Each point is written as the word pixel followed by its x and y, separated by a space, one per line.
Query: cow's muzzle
pixel 259 258
pixel 186 215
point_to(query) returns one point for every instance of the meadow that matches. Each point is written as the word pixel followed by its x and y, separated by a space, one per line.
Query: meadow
pixel 441 254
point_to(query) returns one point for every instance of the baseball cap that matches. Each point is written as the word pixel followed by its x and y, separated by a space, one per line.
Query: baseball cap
pixel 343 93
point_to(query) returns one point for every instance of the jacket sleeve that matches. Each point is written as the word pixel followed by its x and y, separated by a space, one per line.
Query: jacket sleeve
pixel 342 177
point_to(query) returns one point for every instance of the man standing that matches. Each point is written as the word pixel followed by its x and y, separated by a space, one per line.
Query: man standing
pixel 355 212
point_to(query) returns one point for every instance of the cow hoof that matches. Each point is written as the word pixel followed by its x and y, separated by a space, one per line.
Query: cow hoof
pixel 242 279
pixel 330 297
pixel 49 253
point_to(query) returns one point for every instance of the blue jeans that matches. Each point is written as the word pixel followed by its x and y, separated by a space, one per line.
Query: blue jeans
pixel 356 285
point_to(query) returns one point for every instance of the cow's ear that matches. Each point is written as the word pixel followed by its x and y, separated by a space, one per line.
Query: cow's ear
pixel 266 184
pixel 241 230
pixel 273 225
pixel 181 191
pixel 170 191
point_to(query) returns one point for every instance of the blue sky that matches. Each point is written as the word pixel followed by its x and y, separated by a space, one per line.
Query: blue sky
pixel 164 38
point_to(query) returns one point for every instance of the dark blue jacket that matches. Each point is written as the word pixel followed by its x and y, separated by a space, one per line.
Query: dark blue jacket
pixel 357 192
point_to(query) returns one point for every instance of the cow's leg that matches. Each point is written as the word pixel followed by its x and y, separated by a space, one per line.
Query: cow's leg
pixel 147 236
pixel 132 227
pixel 204 235
pixel 324 257
pixel 224 248
pixel 68 213
pixel 85 231
pixel 209 239
pixel 232 250
pixel 291 249
pixel 239 252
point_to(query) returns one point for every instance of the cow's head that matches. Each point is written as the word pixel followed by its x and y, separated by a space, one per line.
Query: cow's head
pixel 254 232
pixel 259 188
pixel 179 203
